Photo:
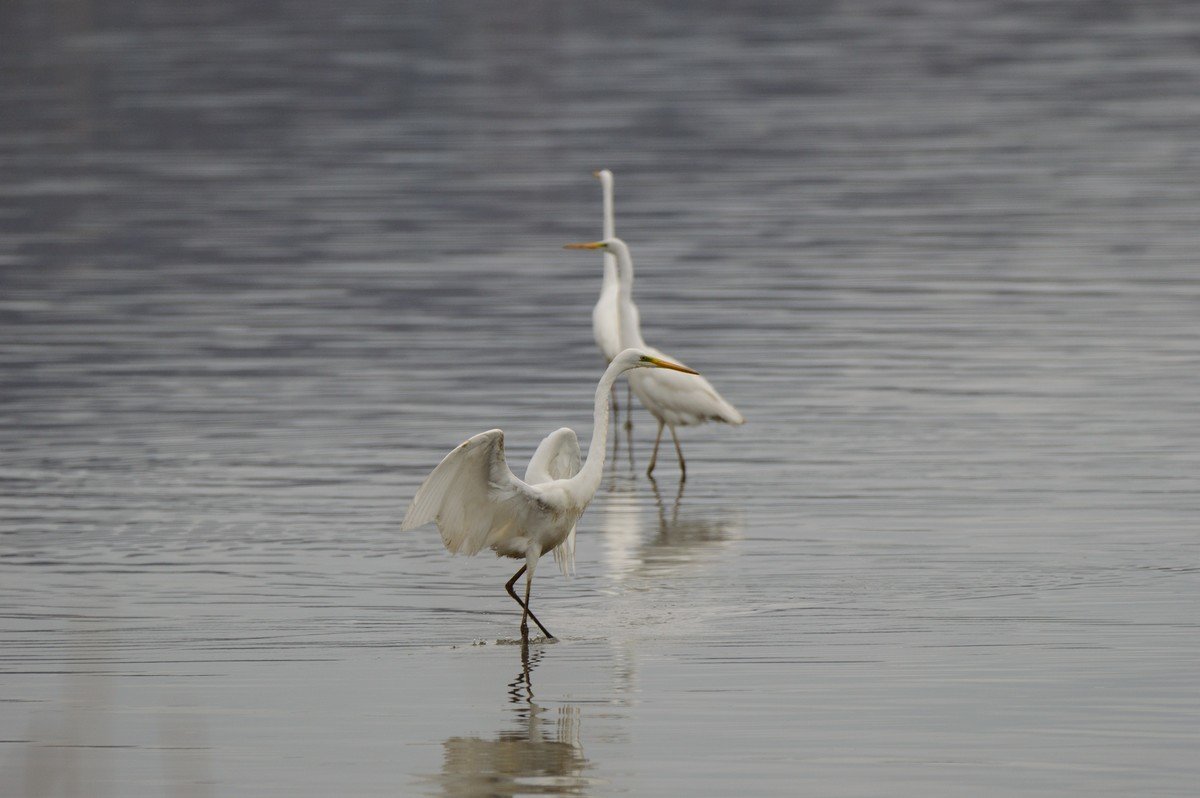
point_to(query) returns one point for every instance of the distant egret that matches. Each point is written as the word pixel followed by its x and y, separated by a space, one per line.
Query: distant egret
pixel 606 320
pixel 478 502
pixel 675 400
pixel 606 324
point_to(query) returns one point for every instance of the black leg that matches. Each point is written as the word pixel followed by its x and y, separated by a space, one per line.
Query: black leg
pixel 509 586
pixel 525 627
pixel 545 631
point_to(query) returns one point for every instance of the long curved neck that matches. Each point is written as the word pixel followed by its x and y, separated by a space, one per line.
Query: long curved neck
pixel 587 481
pixel 610 262
pixel 631 326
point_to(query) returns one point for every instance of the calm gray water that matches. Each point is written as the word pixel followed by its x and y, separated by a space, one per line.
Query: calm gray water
pixel 263 264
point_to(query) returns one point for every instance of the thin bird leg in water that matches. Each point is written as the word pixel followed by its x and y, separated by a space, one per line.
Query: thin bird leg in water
pixel 678 451
pixel 525 607
pixel 616 409
pixel 628 405
pixel 654 454
pixel 524 628
pixel 509 585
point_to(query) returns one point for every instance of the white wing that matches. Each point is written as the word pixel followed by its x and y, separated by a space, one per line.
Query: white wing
pixel 474 497
pixel 557 457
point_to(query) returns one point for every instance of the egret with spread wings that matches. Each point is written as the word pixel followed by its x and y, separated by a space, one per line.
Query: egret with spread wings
pixel 479 503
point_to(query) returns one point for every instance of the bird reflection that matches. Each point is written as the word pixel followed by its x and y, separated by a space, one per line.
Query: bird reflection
pixel 681 539
pixel 615 460
pixel 621 522
pixel 540 755
pixel 684 539
pixel 520 689
pixel 641 546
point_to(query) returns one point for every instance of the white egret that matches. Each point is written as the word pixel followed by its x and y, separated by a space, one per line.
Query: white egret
pixel 478 502
pixel 606 324
pixel 606 320
pixel 675 400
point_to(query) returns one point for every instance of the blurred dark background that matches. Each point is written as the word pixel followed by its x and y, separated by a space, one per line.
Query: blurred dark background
pixel 163 132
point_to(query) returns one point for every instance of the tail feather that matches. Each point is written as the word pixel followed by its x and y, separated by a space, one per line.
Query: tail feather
pixel 564 554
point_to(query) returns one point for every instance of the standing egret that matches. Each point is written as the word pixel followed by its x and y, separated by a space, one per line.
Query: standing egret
pixel 477 501
pixel 606 320
pixel 675 400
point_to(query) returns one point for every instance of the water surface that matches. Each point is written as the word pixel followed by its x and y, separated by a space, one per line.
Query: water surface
pixel 262 267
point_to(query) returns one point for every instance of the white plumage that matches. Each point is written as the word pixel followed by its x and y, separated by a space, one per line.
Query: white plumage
pixel 477 501
pixel 606 325
pixel 606 317
pixel 676 400
pixel 685 401
pixel 557 457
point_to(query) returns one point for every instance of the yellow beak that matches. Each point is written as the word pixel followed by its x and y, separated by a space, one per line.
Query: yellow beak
pixel 596 173
pixel 666 364
pixel 589 245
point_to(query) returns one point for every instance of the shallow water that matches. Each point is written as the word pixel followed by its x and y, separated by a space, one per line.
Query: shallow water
pixel 262 268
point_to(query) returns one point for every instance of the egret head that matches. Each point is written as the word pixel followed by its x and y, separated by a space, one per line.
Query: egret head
pixel 612 245
pixel 604 176
pixel 641 359
pixel 615 250
pixel 588 245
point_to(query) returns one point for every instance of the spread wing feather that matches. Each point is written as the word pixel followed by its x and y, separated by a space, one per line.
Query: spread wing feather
pixel 472 495
pixel 557 457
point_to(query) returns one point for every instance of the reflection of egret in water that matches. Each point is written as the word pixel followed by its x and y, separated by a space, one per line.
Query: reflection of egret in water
pixel 541 755
pixel 622 526
pixel 615 461
pixel 682 538
pixel 684 546
pixel 685 539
